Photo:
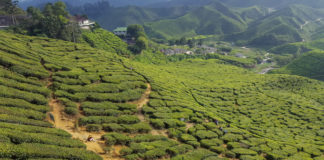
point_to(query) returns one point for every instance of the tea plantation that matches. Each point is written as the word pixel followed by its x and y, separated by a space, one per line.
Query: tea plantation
pixel 24 133
pixel 197 109
pixel 237 113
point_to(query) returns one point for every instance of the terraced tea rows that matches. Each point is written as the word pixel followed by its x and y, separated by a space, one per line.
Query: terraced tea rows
pixel 195 109
pixel 236 113
pixel 24 133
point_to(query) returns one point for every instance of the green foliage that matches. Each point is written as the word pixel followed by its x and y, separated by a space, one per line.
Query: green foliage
pixel 34 150
pixel 93 128
pixel 135 30
pixel 243 151
pixel 117 137
pixel 52 21
pixel 308 65
pixel 180 149
pixel 208 143
pixel 195 154
pixel 218 150
pixel 214 18
pixel 102 39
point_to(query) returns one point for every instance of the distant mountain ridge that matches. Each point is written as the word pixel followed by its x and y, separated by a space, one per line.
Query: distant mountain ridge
pixel 214 18
pixel 290 24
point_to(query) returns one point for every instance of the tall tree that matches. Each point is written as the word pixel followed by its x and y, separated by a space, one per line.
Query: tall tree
pixel 10 7
pixel 135 30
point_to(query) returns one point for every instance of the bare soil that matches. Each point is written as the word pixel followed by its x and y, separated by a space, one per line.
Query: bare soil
pixel 69 124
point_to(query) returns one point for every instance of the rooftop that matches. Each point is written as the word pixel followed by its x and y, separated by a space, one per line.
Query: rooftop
pixel 120 29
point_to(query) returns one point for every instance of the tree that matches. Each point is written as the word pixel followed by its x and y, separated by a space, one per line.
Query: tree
pixel 140 45
pixel 135 30
pixel 191 43
pixel 183 41
pixel 11 8
pixel 171 42
pixel 52 21
pixel 200 42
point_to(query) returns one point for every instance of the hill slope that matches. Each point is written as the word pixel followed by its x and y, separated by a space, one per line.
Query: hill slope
pixel 293 24
pixel 194 109
pixel 214 18
pixel 309 65
pixel 103 39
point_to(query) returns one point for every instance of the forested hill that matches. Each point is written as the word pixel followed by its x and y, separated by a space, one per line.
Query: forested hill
pixel 258 25
pixel 54 94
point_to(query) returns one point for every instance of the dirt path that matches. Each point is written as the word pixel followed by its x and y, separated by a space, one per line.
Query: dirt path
pixel 142 101
pixel 68 123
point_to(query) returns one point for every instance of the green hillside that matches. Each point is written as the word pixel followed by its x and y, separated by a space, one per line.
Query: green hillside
pixel 103 39
pixel 24 133
pixel 309 65
pixel 207 20
pixel 288 25
pixel 264 111
pixel 252 13
pixel 124 16
pixel 192 109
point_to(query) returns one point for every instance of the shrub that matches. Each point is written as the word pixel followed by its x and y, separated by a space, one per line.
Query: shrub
pixel 172 132
pixel 289 149
pixel 312 150
pixel 93 128
pixel 231 137
pixel 138 147
pixel 187 137
pixel 210 125
pixel 248 157
pixel 148 138
pixel 157 123
pixel 180 149
pixel 94 112
pixel 315 158
pixel 132 157
pixel 140 127
pixel 194 143
pixel 203 134
pixel 127 119
pixel 232 145
pixel 276 154
pixel 21 120
pixel 243 151
pixel 109 140
pixel 301 156
pixel 125 151
pixel 218 150
pixel 119 138
pixel 195 154
pixel 230 154
pixel 19 103
pixel 71 111
pixel 31 150
pixel 207 143
pixel 113 127
pixel 154 154
pixel 4 138
pixel 97 120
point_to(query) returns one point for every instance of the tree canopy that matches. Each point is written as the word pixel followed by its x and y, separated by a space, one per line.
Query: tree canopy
pixel 52 22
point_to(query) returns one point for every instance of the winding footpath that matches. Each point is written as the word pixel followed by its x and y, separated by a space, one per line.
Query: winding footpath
pixel 69 123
